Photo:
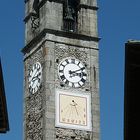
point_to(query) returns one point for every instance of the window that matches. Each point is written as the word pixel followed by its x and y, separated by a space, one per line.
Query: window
pixel 70 15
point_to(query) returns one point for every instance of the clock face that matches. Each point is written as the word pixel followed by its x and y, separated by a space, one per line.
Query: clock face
pixel 35 77
pixel 72 72
pixel 73 110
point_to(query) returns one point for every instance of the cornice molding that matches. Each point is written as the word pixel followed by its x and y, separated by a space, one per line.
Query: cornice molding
pixel 61 34
pixel 88 7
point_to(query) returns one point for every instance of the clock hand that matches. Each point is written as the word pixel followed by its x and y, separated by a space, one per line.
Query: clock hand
pixel 32 76
pixel 71 72
pixel 81 69
pixel 35 78
pixel 36 70
pixel 76 74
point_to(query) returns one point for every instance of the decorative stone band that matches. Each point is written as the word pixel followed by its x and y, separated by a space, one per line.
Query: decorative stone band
pixel 70 35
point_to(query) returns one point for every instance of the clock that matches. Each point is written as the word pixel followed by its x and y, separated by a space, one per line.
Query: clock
pixel 72 72
pixel 73 110
pixel 35 77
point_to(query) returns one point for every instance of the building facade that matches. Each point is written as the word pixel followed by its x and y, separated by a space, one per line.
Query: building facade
pixel 61 70
pixel 4 123
pixel 131 98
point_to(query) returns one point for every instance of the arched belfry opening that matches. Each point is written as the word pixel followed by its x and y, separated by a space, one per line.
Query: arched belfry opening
pixel 36 7
pixel 35 15
pixel 70 15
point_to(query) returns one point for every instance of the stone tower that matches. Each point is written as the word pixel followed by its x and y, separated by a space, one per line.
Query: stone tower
pixel 61 72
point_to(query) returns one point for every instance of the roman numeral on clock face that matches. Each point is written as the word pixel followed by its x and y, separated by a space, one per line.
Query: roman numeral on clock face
pixel 62 77
pixel 60 71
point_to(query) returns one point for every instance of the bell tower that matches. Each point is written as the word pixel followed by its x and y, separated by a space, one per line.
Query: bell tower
pixel 61 70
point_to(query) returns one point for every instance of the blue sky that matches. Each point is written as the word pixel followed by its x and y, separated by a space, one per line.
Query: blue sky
pixel 118 21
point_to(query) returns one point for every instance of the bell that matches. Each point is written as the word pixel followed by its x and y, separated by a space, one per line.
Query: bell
pixel 69 14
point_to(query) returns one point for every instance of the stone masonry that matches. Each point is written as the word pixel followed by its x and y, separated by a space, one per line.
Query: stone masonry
pixel 49 44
